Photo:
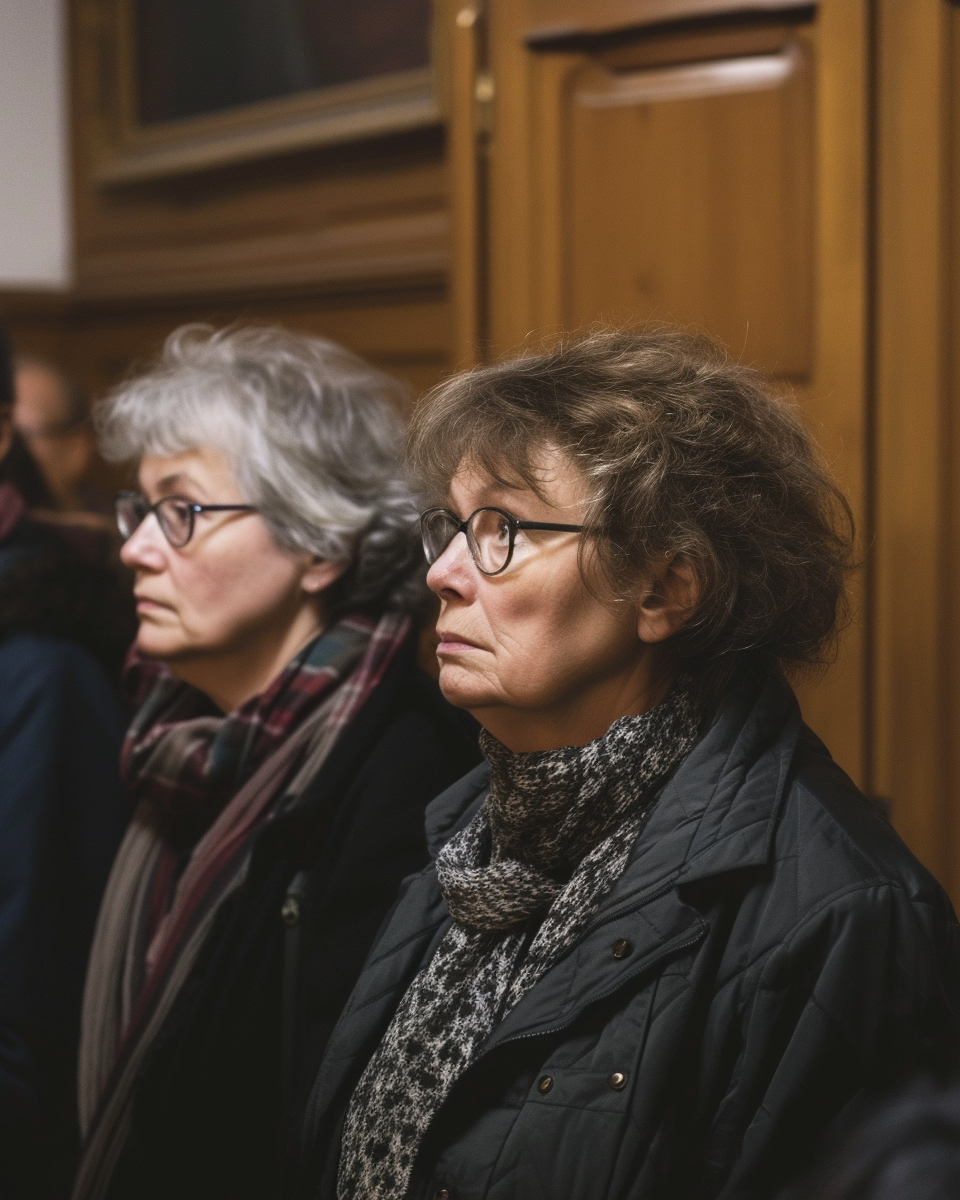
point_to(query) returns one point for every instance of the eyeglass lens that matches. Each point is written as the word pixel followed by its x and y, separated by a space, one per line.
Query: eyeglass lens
pixel 488 537
pixel 438 529
pixel 174 516
pixel 130 511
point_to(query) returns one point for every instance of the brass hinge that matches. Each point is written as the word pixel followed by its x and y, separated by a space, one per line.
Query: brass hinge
pixel 484 95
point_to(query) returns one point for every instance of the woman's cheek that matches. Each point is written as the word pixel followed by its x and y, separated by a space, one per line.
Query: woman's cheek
pixel 222 584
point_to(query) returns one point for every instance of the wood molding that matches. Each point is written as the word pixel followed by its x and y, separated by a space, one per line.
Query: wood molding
pixel 408 247
pixel 39 305
pixel 836 400
pixel 371 108
pixel 914 610
pixel 552 21
pixel 127 151
pixel 693 81
pixel 462 26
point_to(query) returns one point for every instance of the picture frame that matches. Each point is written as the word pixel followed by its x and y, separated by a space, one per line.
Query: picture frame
pixel 132 152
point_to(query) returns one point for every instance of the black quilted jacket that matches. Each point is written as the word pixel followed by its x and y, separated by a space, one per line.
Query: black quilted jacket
pixel 772 950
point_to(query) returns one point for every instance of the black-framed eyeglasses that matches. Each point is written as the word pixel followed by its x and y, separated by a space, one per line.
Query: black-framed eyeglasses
pixel 176 515
pixel 490 533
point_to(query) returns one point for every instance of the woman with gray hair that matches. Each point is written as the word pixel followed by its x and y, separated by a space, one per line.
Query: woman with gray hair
pixel 283 750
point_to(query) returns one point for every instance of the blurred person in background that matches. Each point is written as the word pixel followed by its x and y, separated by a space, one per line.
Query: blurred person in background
pixel 51 414
pixel 664 939
pixel 63 629
pixel 281 757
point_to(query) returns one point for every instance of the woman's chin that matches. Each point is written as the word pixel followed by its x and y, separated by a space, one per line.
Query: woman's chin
pixel 462 688
pixel 155 643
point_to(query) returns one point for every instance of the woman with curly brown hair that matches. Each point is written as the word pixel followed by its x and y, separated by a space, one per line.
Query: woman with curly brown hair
pixel 664 939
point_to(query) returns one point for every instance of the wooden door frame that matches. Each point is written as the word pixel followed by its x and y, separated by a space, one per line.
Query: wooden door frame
pixel 915 696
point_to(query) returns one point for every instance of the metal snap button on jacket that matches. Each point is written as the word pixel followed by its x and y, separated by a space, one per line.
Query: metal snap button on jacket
pixel 545 1084
pixel 621 948
pixel 443 1194
pixel 617 1081
pixel 290 913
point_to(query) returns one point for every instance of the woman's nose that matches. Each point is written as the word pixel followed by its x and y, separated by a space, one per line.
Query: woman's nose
pixel 145 548
pixel 454 572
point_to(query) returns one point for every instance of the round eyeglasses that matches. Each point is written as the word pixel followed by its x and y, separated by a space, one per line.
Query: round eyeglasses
pixel 490 532
pixel 175 515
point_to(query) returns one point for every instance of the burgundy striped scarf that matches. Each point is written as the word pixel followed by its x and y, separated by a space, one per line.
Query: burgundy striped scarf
pixel 205 784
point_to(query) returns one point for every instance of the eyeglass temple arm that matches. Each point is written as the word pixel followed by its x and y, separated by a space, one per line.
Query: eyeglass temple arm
pixel 223 507
pixel 549 526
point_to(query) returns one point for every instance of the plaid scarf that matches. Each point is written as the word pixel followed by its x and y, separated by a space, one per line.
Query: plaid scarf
pixel 184 758
pixel 156 911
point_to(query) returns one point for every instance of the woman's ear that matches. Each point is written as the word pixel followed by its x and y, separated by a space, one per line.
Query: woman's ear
pixel 320 574
pixel 670 596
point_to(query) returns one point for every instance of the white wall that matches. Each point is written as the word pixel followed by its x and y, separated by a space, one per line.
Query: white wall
pixel 34 188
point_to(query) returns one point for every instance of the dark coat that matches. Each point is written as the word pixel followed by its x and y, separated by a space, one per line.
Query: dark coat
pixel 211 1103
pixel 62 813
pixel 64 581
pixel 771 950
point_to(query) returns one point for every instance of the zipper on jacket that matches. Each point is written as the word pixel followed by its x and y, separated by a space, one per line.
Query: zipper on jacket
pixel 291 912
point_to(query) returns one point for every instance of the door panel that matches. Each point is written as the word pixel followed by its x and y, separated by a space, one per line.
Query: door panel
pixel 690 201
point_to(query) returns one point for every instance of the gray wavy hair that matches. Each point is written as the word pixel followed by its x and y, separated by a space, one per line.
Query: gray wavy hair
pixel 312 435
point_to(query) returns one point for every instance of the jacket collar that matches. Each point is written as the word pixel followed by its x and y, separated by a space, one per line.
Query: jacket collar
pixel 717 812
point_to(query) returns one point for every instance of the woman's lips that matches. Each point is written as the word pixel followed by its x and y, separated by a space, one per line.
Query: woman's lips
pixel 144 604
pixel 454 643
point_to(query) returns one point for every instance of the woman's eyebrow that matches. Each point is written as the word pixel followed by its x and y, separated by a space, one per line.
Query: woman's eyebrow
pixel 171 483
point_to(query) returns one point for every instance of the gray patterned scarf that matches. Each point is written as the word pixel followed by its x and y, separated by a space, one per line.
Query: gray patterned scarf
pixel 552 837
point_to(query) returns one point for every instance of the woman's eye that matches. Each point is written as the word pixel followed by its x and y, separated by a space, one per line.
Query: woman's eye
pixel 521 541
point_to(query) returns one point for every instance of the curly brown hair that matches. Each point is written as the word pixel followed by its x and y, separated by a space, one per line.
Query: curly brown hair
pixel 687 454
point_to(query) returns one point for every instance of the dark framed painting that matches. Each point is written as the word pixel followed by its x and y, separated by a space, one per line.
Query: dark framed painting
pixel 209 82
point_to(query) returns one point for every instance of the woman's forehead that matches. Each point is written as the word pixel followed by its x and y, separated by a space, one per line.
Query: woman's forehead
pixel 553 482
pixel 203 469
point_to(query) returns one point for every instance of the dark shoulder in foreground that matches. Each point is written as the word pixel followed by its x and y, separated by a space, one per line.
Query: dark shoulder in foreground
pixel 39 669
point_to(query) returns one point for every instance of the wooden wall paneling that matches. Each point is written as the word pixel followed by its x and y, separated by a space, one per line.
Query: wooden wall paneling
pixel 693 204
pixel 370 212
pixel 950 655
pixel 913 609
pixel 37 323
pixel 744 213
pixel 837 398
pixel 324 217
pixel 554 244
pixel 407 336
pixel 462 27
pixel 100 342
pixel 513 208
pixel 351 241
pixel 403 247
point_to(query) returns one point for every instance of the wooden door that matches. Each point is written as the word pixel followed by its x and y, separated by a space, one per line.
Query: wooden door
pixel 669 159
